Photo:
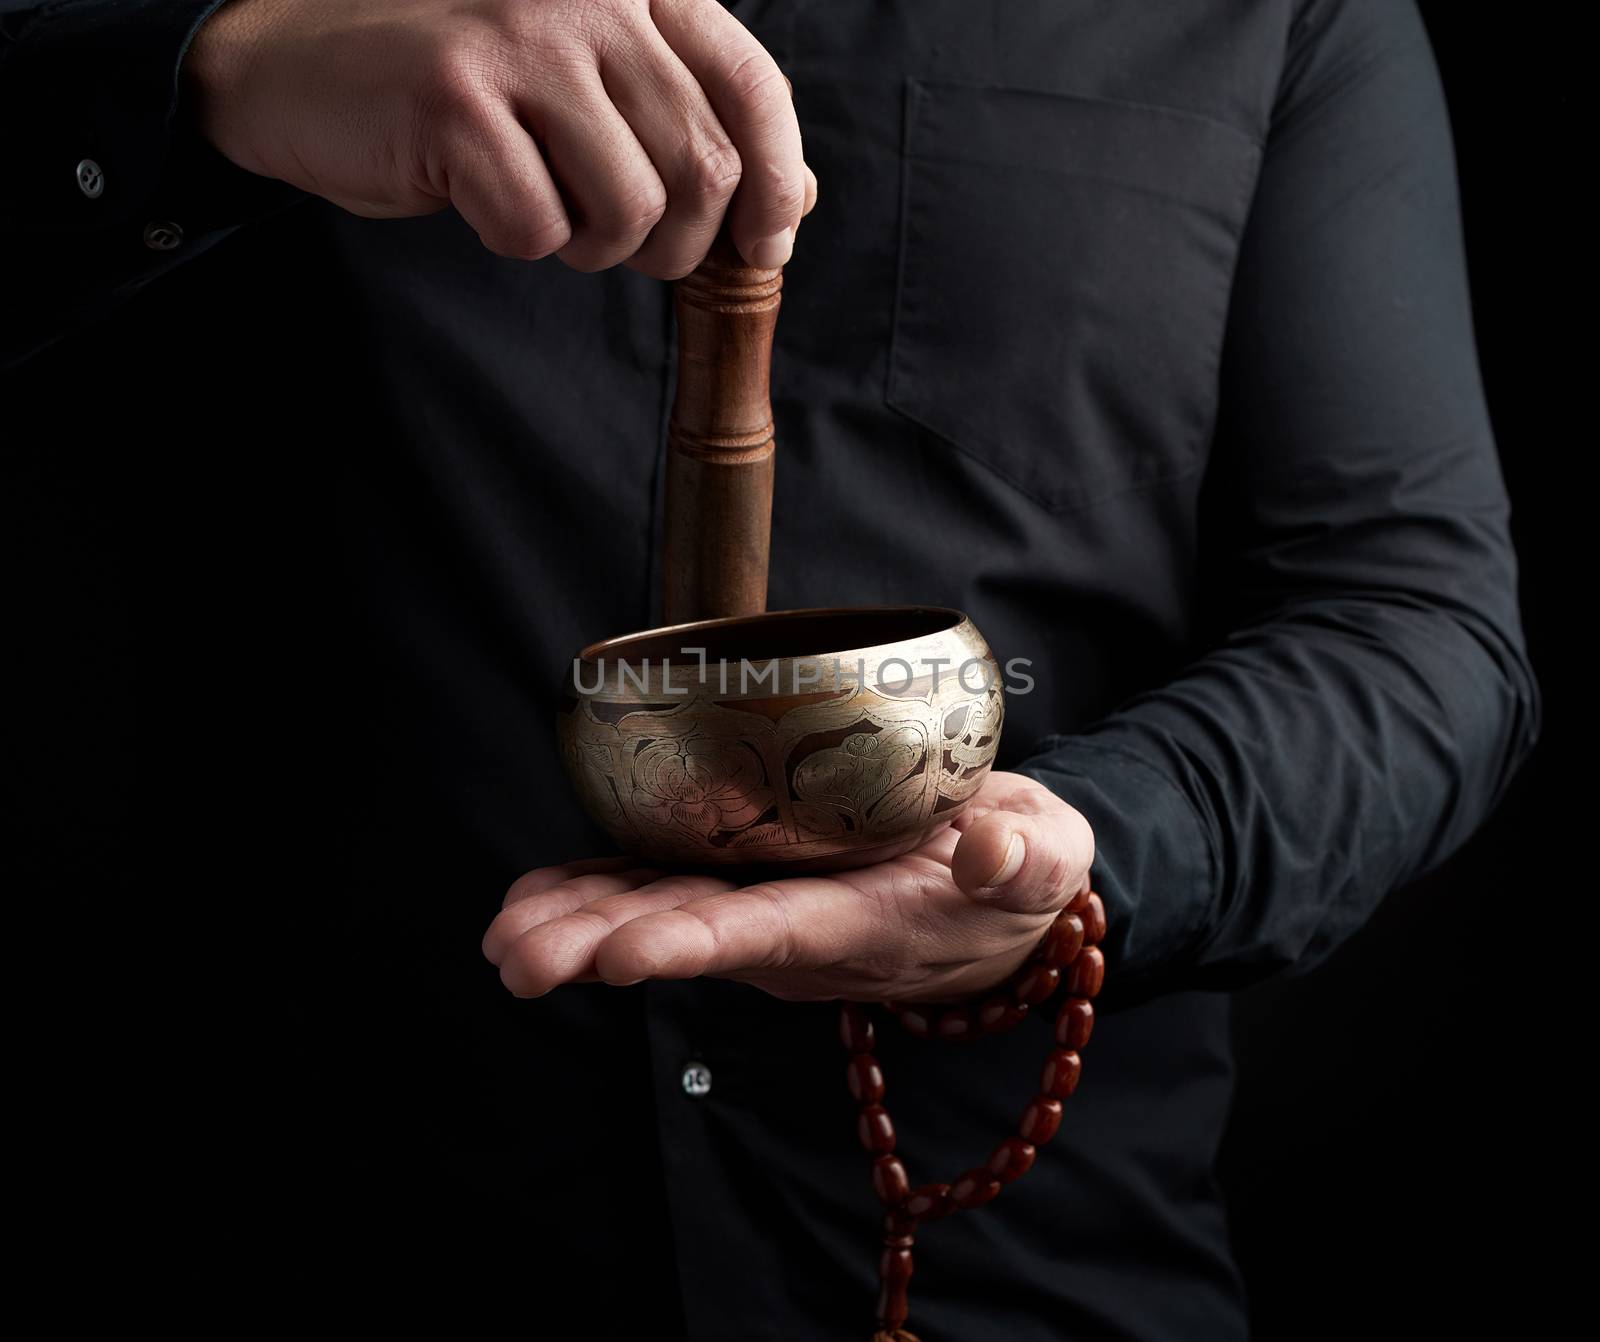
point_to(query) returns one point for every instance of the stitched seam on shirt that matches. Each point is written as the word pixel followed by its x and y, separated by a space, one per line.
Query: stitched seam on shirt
pixel 1337 85
pixel 1095 100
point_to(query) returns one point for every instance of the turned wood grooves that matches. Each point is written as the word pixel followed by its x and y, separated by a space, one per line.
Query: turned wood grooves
pixel 719 441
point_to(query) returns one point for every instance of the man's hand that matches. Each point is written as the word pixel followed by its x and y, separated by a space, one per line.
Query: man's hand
pixel 602 131
pixel 952 918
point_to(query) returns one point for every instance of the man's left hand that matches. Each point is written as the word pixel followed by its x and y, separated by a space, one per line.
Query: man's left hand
pixel 947 920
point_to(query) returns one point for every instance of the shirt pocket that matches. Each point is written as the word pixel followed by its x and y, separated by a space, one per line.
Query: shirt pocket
pixel 1065 265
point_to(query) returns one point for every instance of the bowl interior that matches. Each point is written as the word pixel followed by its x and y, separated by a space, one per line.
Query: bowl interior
pixel 781 634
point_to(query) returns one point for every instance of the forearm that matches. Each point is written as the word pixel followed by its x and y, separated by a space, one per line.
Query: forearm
pixel 1253 813
pixel 1366 694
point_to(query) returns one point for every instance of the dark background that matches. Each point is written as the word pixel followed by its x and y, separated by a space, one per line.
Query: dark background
pixel 1401 1133
pixel 1400 1158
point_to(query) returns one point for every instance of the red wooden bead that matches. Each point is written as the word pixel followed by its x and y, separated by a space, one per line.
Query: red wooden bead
pixel 894 1276
pixel 1011 1159
pixel 889 1181
pixel 1087 973
pixel 1040 1120
pixel 957 1023
pixel 855 1027
pixel 876 1130
pixel 1094 922
pixel 1080 901
pixel 974 1188
pixel 931 1202
pixel 1061 1072
pixel 1000 1013
pixel 1038 981
pixel 915 1022
pixel 892 1306
pixel 1065 939
pixel 1074 1022
pixel 865 1078
pixel 899 1224
pixel 895 1265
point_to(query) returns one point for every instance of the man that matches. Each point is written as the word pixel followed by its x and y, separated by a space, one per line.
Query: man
pixel 1140 333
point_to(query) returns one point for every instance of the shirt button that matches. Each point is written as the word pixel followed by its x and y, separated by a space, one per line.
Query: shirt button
pixel 162 237
pixel 91 181
pixel 696 1080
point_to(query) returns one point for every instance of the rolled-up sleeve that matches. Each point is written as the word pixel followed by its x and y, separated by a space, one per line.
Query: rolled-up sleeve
pixel 107 184
pixel 1367 696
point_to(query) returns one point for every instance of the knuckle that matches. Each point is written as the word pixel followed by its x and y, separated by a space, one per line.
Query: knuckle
pixel 755 80
pixel 643 210
pixel 635 212
pixel 714 173
pixel 457 88
pixel 784 191
pixel 599 24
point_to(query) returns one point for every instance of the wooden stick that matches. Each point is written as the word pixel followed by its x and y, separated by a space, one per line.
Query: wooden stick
pixel 719 442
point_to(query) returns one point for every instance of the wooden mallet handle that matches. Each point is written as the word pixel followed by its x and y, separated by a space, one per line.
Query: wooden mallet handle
pixel 719 442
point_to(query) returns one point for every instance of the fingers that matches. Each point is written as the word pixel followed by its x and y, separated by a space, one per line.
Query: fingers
pixel 614 194
pixel 534 900
pixel 650 139
pixel 692 153
pixel 558 939
pixel 545 877
pixel 751 100
pixel 969 898
pixel 1029 863
pixel 792 924
pixel 499 183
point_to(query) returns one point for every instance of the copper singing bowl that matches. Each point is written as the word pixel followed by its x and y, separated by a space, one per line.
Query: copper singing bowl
pixel 811 738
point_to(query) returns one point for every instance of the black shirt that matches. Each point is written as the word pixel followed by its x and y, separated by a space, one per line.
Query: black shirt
pixel 1139 332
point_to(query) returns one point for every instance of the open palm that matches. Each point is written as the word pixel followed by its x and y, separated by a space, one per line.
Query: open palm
pixel 949 919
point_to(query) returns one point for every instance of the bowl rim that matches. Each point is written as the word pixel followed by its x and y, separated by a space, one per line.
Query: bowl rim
pixel 952 620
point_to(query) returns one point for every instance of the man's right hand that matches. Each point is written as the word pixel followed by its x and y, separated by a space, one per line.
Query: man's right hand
pixel 600 131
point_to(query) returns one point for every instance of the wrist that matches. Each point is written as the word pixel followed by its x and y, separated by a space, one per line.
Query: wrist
pixel 216 62
pixel 1068 954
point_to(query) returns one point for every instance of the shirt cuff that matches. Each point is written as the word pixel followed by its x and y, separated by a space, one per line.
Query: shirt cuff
pixel 1154 864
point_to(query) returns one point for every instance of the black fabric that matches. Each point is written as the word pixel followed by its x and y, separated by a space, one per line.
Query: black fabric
pixel 1138 332
pixel 98 80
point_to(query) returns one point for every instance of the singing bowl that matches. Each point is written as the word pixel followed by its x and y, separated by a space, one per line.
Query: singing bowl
pixel 802 739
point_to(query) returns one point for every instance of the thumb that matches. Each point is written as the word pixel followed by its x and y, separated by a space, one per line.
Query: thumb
pixel 1028 863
